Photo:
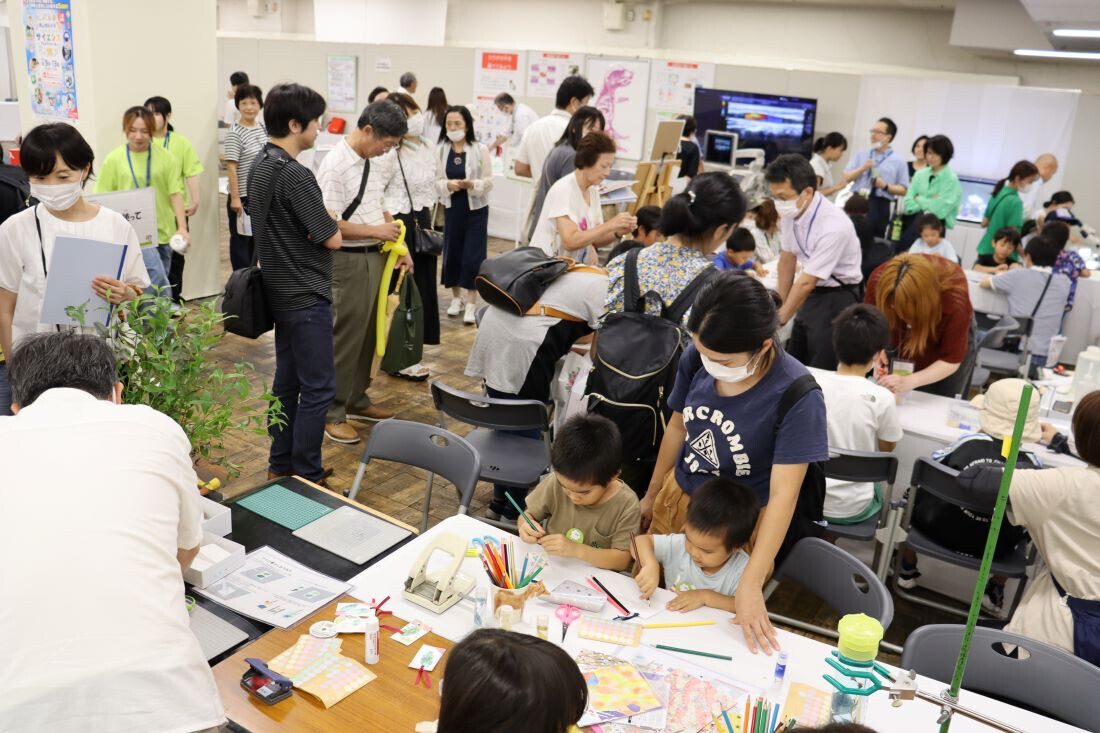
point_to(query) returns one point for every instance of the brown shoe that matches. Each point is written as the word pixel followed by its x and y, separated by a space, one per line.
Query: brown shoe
pixel 374 413
pixel 341 432
pixel 271 475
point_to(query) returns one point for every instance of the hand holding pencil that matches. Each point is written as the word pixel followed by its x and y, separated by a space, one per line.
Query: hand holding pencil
pixel 530 531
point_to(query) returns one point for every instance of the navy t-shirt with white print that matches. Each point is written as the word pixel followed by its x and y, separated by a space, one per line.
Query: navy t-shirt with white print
pixel 735 436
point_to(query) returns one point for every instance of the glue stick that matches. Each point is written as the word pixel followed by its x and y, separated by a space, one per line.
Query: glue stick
pixel 370 638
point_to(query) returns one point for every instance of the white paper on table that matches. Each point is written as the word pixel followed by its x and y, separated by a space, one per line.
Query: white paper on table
pixel 74 263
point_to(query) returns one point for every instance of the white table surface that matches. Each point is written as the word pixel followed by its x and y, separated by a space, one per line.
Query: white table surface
pixel 806 656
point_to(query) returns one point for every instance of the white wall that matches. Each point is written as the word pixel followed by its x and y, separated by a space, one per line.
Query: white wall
pixel 414 22
pixel 546 25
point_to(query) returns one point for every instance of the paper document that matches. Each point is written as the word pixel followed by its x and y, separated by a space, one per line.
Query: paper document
pixel 272 588
pixel 74 263
pixel 608 186
pixel 137 206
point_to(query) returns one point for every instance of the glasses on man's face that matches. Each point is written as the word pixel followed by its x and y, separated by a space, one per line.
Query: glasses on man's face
pixel 874 131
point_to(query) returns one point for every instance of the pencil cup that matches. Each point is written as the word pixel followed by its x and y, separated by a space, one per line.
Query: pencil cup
pixel 516 599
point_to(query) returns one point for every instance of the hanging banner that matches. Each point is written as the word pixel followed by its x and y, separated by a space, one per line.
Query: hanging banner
pixel 673 84
pixel 495 72
pixel 547 69
pixel 48 29
pixel 342 82
pixel 621 88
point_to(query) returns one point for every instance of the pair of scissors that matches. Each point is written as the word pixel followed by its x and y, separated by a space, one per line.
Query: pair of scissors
pixel 566 614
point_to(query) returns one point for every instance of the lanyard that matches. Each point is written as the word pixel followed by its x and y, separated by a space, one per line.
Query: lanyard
pixel 794 230
pixel 167 137
pixel 148 167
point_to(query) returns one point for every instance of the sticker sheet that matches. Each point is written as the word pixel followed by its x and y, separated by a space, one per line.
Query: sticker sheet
pixel 619 691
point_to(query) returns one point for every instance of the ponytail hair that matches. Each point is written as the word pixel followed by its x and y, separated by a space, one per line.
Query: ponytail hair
pixel 712 200
pixel 832 140
pixel 1022 169
pixel 734 314
pixel 162 107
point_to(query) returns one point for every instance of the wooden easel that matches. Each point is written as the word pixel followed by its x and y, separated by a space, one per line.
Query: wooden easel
pixel 653 183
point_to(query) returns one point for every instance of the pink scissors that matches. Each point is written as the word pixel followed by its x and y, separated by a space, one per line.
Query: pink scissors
pixel 567 615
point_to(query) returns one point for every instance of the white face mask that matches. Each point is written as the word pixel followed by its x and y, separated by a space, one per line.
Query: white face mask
pixel 456 135
pixel 1028 188
pixel 724 373
pixel 787 209
pixel 58 196
pixel 416 124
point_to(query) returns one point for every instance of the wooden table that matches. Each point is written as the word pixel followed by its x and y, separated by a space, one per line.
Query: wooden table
pixel 390 702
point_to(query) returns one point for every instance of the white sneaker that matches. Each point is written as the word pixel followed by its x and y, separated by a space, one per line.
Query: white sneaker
pixel 455 308
pixel 471 314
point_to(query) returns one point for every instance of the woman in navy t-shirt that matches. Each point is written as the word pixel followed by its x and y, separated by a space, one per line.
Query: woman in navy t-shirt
pixel 725 405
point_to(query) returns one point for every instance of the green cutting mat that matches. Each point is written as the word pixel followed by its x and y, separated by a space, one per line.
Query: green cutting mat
pixel 283 506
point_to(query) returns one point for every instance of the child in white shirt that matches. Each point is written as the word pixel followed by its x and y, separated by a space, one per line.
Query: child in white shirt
pixel 931 241
pixel 863 416
pixel 704 564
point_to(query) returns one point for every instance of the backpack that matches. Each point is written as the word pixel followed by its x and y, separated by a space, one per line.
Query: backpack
pixel 634 363
pixel 809 510
pixel 516 280
pixel 17 198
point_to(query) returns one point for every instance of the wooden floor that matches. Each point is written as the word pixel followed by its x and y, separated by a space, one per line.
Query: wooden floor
pixel 398 490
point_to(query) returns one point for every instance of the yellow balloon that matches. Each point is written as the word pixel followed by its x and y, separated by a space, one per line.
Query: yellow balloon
pixel 393 251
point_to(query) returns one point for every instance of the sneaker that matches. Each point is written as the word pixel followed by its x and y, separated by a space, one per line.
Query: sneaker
pixel 907 578
pixel 341 432
pixel 471 315
pixel 373 413
pixel 994 599
pixel 490 514
pixel 455 307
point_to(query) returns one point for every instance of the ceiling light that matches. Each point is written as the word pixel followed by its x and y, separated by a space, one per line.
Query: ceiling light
pixel 1067 55
pixel 1077 33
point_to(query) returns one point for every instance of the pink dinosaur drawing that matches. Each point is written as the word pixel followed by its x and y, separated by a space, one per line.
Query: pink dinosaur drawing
pixel 616 79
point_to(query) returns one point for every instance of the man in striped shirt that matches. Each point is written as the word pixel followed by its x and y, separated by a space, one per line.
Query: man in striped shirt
pixel 354 196
pixel 294 236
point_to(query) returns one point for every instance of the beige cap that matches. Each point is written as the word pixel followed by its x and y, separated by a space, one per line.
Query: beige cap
pixel 998 409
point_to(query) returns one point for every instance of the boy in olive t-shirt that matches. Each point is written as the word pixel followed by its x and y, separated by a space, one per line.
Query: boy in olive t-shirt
pixel 582 509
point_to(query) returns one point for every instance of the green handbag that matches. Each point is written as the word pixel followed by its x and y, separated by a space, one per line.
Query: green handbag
pixel 405 345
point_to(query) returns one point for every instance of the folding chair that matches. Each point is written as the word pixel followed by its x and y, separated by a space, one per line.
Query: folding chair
pixel 941 481
pixel 870 467
pixel 995 329
pixel 1006 363
pixel 428 447
pixel 1037 675
pixel 837 577
pixel 506 458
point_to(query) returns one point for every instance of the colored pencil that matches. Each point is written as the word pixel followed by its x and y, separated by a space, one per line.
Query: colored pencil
pixel 745 718
pixel 528 581
pixel 488 572
pixel 498 563
pixel 775 718
pixel 610 596
pixel 507 565
pixel 729 725
pixel 634 546
pixel 692 651
pixel 752 725
pixel 522 513
pixel 678 625
pixel 523 570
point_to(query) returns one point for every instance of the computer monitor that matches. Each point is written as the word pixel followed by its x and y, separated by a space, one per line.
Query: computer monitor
pixel 719 147
pixel 976 193
pixel 775 123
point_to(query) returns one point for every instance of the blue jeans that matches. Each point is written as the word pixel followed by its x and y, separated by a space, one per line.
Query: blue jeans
pixel 1038 361
pixel 5 391
pixel 500 503
pixel 305 382
pixel 156 264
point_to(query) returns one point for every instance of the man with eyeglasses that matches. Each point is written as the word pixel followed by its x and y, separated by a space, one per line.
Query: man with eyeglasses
pixel 880 174
pixel 354 198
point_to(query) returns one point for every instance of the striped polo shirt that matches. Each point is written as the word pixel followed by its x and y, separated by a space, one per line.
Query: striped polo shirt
pixel 242 145
pixel 290 233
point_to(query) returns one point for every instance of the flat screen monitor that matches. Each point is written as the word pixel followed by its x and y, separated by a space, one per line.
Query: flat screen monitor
pixel 775 123
pixel 976 193
pixel 719 147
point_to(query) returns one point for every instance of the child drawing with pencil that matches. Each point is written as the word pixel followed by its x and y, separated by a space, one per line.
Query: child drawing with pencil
pixel 702 566
pixel 581 509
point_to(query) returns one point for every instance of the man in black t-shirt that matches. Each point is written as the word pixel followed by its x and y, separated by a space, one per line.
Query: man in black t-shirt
pixel 294 236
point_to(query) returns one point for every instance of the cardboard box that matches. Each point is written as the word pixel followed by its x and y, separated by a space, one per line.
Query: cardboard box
pixel 217 518
pixel 202 576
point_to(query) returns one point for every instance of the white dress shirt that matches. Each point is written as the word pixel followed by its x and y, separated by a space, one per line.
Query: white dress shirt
pixel 539 140
pixel 825 242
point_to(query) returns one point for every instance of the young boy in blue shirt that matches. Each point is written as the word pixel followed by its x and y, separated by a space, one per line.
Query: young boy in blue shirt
pixel 738 254
pixel 703 566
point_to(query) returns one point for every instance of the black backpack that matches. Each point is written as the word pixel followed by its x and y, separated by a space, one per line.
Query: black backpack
pixel 18 191
pixel 515 280
pixel 809 510
pixel 635 360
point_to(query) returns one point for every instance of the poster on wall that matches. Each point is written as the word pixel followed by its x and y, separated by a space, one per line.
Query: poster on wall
pixel 342 82
pixel 546 69
pixel 673 84
pixel 48 29
pixel 621 88
pixel 495 71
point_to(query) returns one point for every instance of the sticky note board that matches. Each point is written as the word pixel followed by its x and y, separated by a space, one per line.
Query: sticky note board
pixel 332 678
pixel 622 633
pixel 283 506
pixel 809 705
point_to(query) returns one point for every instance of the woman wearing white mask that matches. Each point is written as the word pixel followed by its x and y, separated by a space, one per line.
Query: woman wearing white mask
pixel 463 178
pixel 1005 207
pixel 409 171
pixel 730 386
pixel 58 162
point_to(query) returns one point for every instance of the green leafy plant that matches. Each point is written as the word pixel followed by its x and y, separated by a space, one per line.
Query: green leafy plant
pixel 165 361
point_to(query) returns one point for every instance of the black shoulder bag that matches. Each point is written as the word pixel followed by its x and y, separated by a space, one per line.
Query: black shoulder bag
pixel 348 212
pixel 244 303
pixel 809 510
pixel 426 241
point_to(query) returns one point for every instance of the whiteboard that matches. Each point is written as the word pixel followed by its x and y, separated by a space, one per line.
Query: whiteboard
pixel 10 126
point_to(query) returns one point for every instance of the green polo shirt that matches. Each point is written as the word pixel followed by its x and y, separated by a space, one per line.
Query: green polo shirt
pixel 166 178
pixel 181 147
pixel 1003 210
pixel 936 193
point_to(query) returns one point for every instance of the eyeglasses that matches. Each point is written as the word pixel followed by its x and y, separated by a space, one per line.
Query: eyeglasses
pixel 874 131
